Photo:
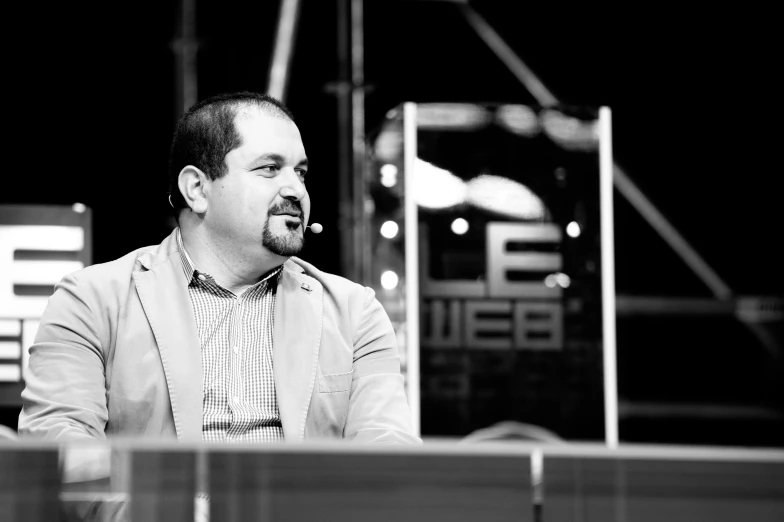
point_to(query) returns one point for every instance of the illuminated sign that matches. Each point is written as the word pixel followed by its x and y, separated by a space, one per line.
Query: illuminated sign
pixel 38 246
pixel 498 309
pixel 512 307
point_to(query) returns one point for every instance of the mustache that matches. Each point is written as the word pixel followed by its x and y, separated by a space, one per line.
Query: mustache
pixel 287 206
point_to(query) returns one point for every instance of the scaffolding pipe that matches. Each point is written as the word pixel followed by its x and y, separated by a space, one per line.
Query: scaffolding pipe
pixel 358 141
pixel 185 48
pixel 284 49
pixel 622 182
pixel 345 163
pixel 610 373
pixel 507 55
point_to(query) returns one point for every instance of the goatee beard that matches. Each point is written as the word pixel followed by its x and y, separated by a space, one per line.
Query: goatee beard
pixel 288 244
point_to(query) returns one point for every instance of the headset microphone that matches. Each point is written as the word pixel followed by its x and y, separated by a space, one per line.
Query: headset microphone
pixel 316 228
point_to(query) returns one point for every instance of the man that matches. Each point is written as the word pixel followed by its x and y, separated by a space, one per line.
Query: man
pixel 218 334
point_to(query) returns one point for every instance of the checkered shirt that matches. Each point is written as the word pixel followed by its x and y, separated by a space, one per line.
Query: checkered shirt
pixel 235 333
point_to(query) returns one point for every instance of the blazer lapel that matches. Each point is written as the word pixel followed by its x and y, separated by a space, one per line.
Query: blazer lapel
pixel 165 300
pixel 296 339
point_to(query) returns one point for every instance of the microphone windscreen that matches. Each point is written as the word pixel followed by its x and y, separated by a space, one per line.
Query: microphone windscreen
pixel 316 228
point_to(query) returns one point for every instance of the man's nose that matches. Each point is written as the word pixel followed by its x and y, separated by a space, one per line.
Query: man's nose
pixel 293 187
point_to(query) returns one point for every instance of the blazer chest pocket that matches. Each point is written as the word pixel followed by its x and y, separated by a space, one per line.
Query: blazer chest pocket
pixel 336 382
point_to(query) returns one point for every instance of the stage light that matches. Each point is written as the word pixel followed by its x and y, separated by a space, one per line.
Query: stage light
pixel 389 143
pixel 452 116
pixel 436 188
pixel 389 280
pixel 459 226
pixel 570 133
pixel 79 208
pixel 518 119
pixel 573 229
pixel 505 196
pixel 370 206
pixel 388 175
pixel 389 229
pixel 557 279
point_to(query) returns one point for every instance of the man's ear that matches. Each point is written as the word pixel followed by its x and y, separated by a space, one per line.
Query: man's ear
pixel 193 184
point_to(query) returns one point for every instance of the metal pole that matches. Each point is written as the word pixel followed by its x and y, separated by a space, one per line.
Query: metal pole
pixel 343 88
pixel 622 182
pixel 411 231
pixel 608 278
pixel 358 141
pixel 185 48
pixel 284 49
pixel 677 242
pixel 507 55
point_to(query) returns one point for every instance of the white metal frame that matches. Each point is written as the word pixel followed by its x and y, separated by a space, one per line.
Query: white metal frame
pixel 608 278
pixel 412 263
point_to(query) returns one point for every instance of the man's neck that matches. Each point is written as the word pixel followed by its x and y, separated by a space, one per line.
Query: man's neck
pixel 231 271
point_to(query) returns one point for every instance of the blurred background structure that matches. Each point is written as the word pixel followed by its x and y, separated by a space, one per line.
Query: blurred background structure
pixel 94 91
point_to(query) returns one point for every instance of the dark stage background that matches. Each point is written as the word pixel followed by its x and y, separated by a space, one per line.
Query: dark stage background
pixel 697 118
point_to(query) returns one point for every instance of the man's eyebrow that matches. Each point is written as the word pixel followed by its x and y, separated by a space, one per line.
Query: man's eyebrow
pixel 277 158
pixel 271 156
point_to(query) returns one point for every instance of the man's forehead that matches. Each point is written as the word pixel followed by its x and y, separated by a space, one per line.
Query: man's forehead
pixel 253 111
pixel 259 118
pixel 265 134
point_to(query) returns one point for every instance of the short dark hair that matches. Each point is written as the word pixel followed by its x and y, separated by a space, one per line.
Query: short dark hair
pixel 206 133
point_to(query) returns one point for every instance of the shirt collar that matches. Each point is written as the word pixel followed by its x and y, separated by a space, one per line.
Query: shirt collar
pixel 187 264
pixel 191 271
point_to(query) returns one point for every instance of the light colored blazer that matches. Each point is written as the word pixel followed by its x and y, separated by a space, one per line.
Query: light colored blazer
pixel 118 353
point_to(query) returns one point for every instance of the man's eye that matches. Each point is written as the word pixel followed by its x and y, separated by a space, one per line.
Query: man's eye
pixel 269 168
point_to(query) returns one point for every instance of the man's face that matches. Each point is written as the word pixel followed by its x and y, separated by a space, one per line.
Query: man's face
pixel 261 204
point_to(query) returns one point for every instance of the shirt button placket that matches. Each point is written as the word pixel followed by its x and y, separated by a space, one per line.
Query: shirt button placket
pixel 236 368
pixel 231 392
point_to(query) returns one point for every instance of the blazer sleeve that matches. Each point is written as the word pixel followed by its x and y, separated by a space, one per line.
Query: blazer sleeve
pixel 65 385
pixel 378 409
